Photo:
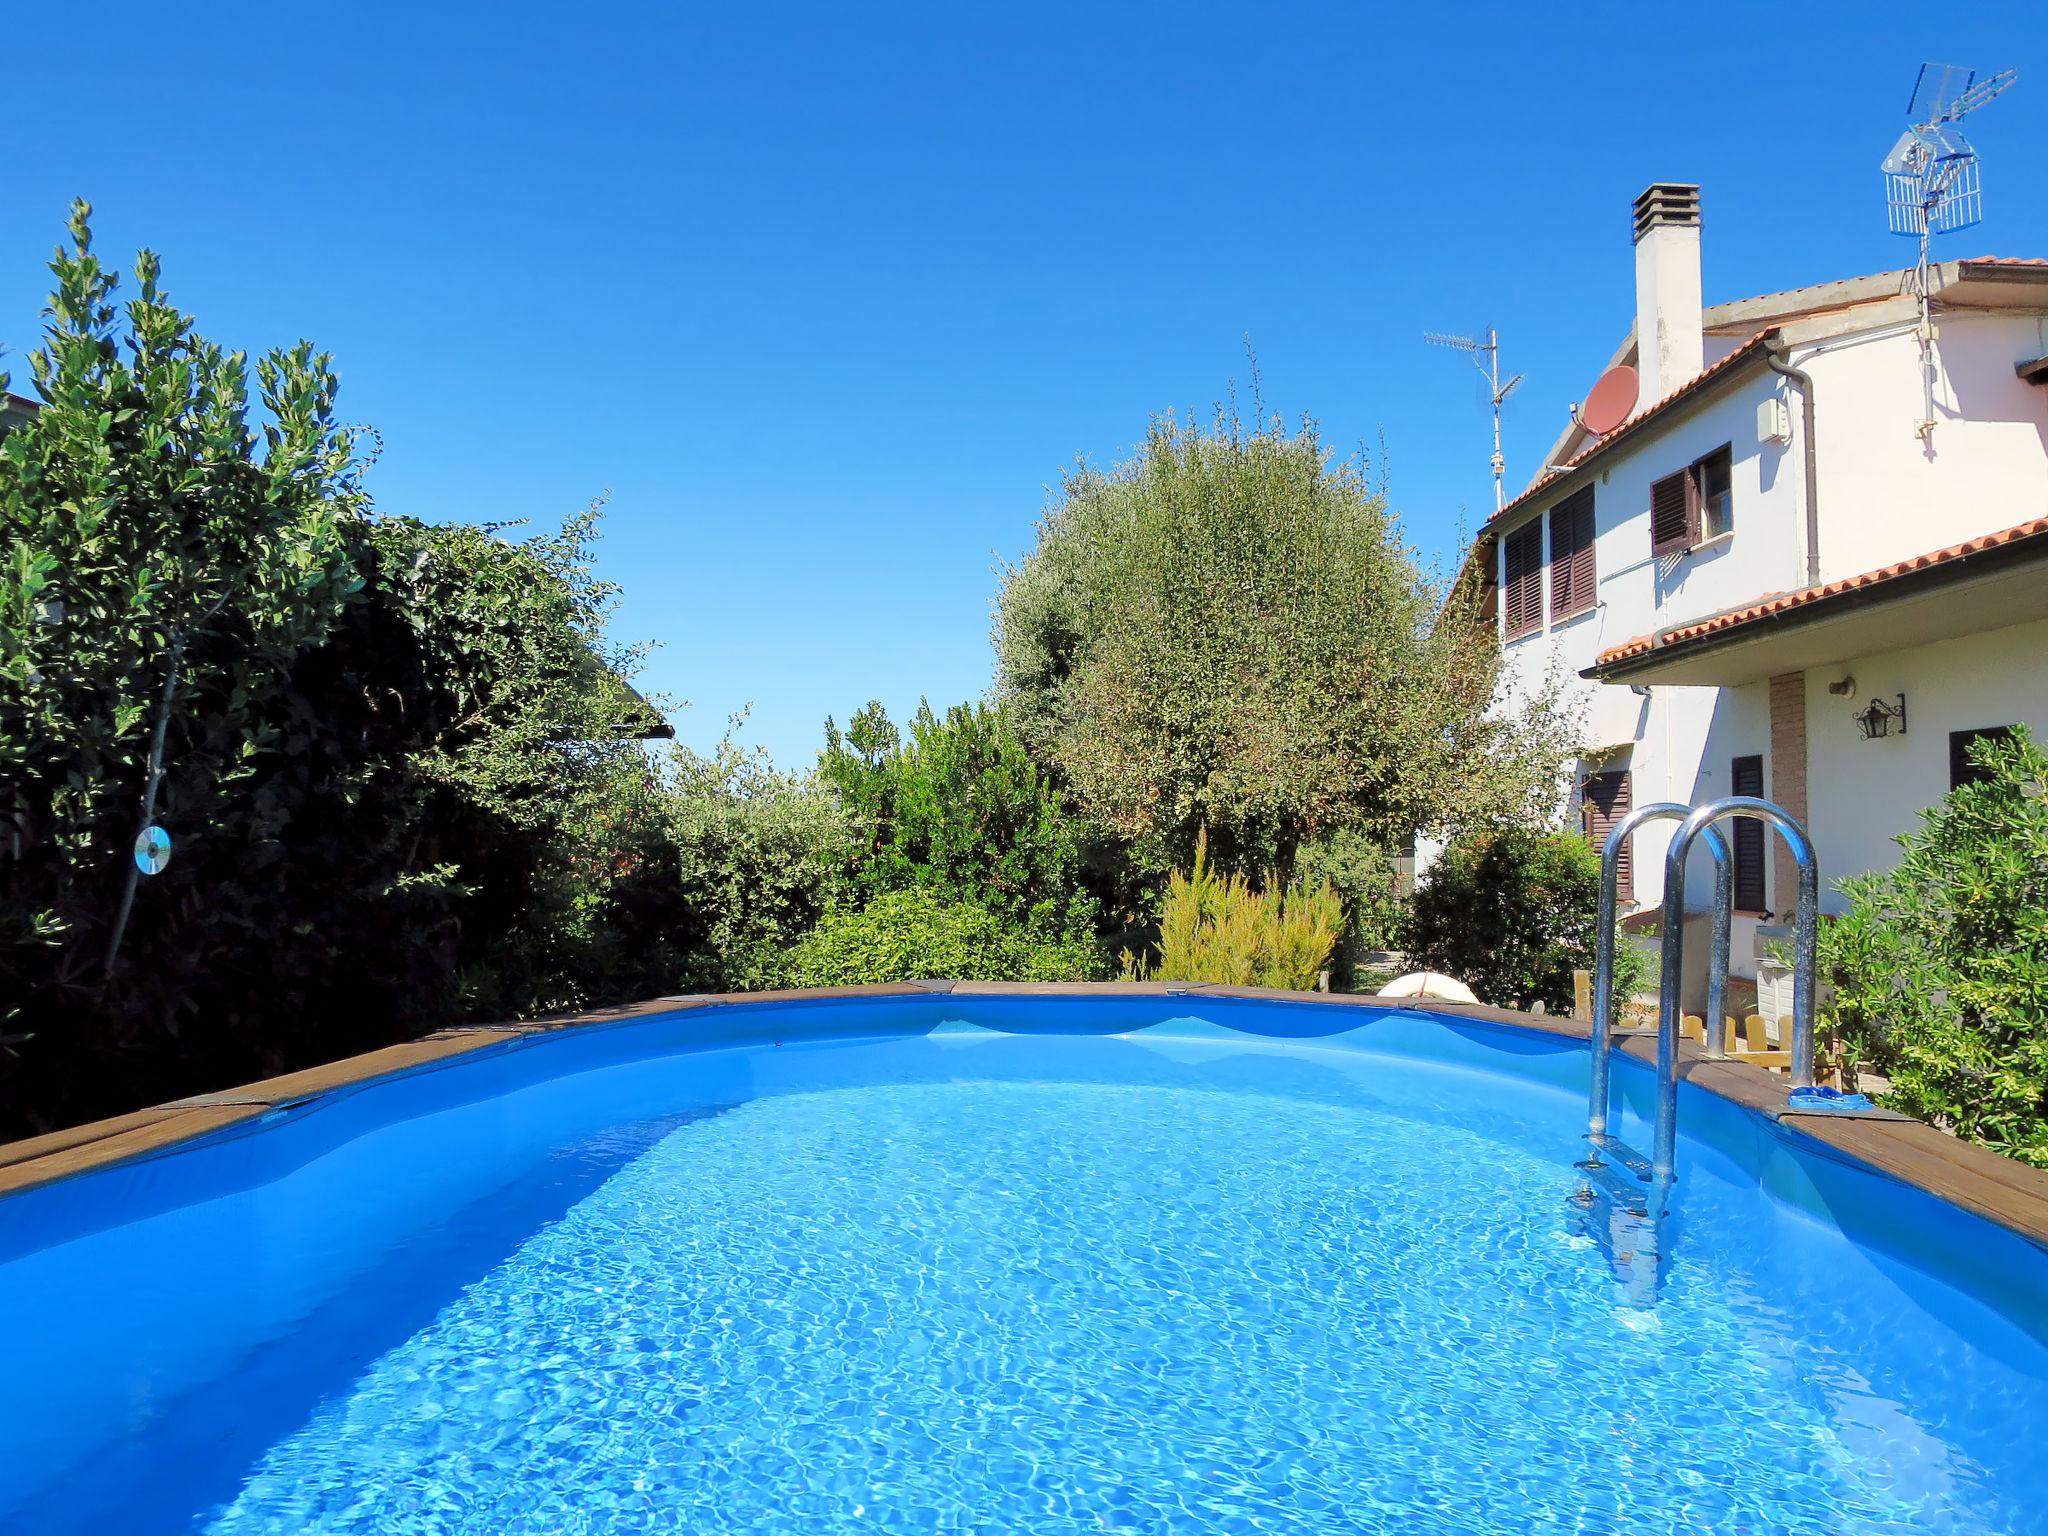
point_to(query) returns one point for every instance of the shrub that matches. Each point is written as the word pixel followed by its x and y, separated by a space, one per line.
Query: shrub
pixel 962 811
pixel 1940 967
pixel 1512 914
pixel 912 934
pixel 167 565
pixel 1367 982
pixel 1361 871
pixel 759 856
pixel 1217 928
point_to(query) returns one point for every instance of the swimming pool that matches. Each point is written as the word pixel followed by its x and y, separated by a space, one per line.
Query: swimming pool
pixel 952 1263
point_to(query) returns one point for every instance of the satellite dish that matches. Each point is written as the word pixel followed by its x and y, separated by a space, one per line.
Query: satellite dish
pixel 1613 397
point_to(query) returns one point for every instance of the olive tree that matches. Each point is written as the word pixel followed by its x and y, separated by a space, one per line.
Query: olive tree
pixel 1230 632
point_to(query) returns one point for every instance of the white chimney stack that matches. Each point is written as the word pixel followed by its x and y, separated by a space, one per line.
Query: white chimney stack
pixel 1669 347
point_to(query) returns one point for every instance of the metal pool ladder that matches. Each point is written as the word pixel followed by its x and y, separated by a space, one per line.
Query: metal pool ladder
pixel 1636 1190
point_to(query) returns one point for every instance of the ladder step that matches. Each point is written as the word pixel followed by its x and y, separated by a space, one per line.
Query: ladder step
pixel 1625 1193
pixel 1614 1150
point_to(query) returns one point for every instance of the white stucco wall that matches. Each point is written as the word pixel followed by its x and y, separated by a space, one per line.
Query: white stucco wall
pixel 1683 736
pixel 1885 494
pixel 1639 594
pixel 1862 794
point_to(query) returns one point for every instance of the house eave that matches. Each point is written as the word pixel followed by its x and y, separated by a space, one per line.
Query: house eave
pixel 1970 593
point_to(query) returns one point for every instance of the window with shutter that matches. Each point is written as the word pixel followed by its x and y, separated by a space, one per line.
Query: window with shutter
pixel 1961 770
pixel 1714 477
pixel 1696 504
pixel 1671 508
pixel 1573 579
pixel 1746 777
pixel 1603 800
pixel 1524 600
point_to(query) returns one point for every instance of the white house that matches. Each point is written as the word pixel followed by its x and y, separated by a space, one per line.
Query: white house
pixel 1776 538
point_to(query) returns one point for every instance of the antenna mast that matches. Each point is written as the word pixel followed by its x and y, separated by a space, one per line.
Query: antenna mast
pixel 1934 185
pixel 1486 358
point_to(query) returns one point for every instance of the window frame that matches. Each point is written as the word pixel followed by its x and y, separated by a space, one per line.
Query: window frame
pixel 1690 484
pixel 1574 566
pixel 1725 456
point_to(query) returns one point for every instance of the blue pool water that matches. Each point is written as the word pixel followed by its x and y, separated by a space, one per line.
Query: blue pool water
pixel 1192 1278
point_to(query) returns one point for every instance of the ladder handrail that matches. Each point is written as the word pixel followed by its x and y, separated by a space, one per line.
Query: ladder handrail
pixel 1805 942
pixel 1603 963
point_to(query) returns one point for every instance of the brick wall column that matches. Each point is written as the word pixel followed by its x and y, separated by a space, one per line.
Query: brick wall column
pixel 1787 780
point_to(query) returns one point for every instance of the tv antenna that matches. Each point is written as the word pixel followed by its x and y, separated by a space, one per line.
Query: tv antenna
pixel 1486 357
pixel 1933 184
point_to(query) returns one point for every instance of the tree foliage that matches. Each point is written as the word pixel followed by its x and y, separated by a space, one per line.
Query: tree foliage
pixel 389 762
pixel 759 856
pixel 167 561
pixel 506 808
pixel 961 810
pixel 1228 632
pixel 1940 967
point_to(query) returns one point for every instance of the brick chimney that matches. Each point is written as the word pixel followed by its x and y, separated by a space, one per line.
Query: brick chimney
pixel 1669 347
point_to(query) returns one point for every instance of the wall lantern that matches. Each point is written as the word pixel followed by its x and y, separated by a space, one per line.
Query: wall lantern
pixel 1875 722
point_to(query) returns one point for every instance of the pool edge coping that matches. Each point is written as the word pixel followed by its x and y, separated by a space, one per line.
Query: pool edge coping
pixel 1998 1189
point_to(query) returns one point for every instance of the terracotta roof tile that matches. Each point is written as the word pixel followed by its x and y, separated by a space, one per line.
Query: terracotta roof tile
pixel 1742 354
pixel 1775 603
pixel 2007 261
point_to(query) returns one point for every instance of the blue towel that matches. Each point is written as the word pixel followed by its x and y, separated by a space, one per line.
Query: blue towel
pixel 1831 1100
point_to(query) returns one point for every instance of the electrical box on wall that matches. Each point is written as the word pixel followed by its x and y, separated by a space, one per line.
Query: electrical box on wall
pixel 1773 421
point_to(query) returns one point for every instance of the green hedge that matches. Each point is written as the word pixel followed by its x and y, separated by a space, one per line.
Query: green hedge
pixel 1940 967
pixel 912 934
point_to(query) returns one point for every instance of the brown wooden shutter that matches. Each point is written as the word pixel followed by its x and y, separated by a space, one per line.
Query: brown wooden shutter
pixel 1746 777
pixel 1674 512
pixel 1488 566
pixel 1525 579
pixel 1606 798
pixel 1573 579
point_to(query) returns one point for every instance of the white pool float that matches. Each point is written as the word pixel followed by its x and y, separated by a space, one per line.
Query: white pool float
pixel 1429 984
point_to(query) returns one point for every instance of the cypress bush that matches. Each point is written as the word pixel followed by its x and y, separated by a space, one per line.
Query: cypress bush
pixel 1217 928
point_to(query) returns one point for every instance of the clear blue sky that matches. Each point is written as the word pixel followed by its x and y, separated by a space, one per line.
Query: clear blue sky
pixel 826 296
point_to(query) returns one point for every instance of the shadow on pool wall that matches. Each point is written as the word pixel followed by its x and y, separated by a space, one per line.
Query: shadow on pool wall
pixel 1796 1164
pixel 296 1207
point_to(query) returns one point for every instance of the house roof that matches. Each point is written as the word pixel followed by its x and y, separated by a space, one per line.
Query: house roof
pixel 1815 304
pixel 1706 379
pixel 2023 539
